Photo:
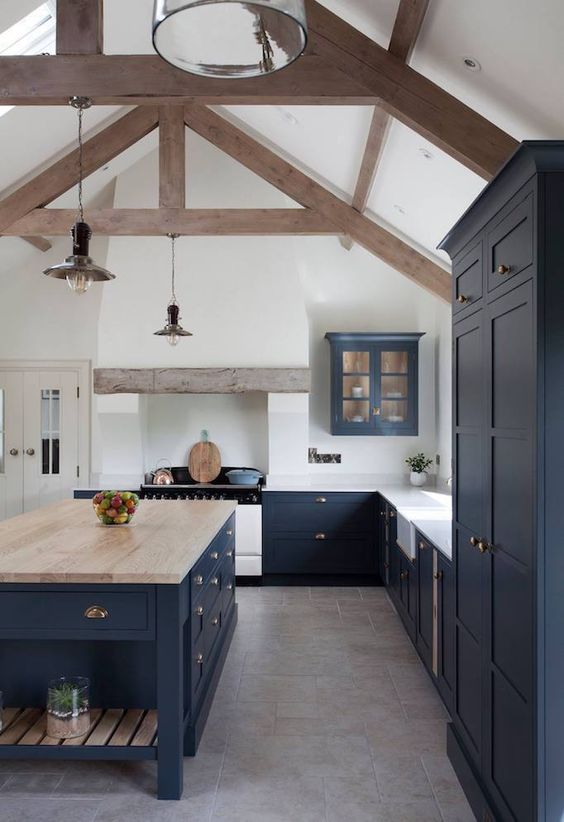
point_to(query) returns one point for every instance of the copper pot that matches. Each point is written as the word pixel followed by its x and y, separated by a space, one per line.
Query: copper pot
pixel 163 475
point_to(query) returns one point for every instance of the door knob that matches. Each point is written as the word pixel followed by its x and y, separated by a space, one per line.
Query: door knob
pixel 483 546
pixel 14 452
pixel 438 575
pixel 30 452
pixel 504 269
pixel 376 411
pixel 462 299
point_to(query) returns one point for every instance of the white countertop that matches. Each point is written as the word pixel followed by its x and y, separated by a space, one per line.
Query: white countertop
pixel 429 510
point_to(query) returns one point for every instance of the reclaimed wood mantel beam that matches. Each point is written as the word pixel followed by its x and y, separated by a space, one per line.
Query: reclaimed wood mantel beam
pixel 197 222
pixel 301 188
pixel 201 380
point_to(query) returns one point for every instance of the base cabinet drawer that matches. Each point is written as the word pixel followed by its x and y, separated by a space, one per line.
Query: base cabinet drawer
pixel 321 553
pixel 343 513
pixel 92 613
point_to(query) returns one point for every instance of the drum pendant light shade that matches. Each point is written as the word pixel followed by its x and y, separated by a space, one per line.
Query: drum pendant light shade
pixel 229 38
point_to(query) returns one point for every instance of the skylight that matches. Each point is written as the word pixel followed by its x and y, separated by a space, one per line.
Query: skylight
pixel 33 34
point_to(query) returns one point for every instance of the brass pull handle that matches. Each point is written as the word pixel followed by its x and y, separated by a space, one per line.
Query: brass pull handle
pixel 30 452
pixel 199 611
pixel 230 532
pixel 422 545
pixel 199 580
pixel 404 575
pixel 200 659
pixel 462 299
pixel 215 621
pixel 229 553
pixel 320 536
pixel 214 555
pixel 376 411
pixel 214 581
pixel 14 452
pixel 504 269
pixel 96 612
pixel 438 575
pixel 321 499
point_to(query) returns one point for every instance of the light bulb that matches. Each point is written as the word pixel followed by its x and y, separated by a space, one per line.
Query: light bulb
pixel 173 339
pixel 79 282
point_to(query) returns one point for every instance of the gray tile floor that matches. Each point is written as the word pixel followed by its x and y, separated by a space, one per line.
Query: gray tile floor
pixel 323 714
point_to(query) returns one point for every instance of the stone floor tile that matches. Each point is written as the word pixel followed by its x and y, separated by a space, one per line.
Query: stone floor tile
pixel 134 809
pixel 319 726
pixel 270 800
pixel 30 784
pixel 259 688
pixel 402 778
pixel 48 810
pixel 395 734
pixel 297 663
pixel 297 710
pixel 355 799
pixel 88 780
pixel 453 811
pixel 446 787
pixel 426 811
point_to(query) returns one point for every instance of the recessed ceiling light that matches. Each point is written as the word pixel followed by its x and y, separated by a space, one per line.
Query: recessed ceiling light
pixel 426 153
pixel 399 208
pixel 471 64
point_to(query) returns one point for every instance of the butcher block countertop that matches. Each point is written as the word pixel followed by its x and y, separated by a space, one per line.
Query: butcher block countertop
pixel 65 543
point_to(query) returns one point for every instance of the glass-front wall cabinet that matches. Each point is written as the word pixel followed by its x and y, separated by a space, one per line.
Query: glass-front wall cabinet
pixel 374 384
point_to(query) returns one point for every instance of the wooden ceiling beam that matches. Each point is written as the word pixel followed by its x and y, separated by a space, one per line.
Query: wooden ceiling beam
pixel 40 243
pixel 80 26
pixel 172 157
pixel 189 222
pixel 405 32
pixel 409 96
pixel 301 188
pixel 63 175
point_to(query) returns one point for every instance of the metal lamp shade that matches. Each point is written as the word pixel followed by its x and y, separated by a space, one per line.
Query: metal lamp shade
pixel 173 330
pixel 229 38
pixel 79 270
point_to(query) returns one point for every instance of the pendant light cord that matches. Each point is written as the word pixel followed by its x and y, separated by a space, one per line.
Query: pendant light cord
pixel 80 166
pixel 173 239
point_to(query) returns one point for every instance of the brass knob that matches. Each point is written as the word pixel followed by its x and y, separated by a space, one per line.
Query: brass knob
pixel 404 575
pixel 230 532
pixel 438 575
pixel 474 541
pixel 199 611
pixel 503 269
pixel 422 545
pixel 96 612
pixel 200 659
pixel 483 547
pixel 199 580
pixel 214 581
pixel 230 586
pixel 14 452
pixel 320 536
pixel 215 621
pixel 462 299
pixel 321 499
pixel 214 555
pixel 30 452
pixel 376 411
pixel 229 553
pixel 392 514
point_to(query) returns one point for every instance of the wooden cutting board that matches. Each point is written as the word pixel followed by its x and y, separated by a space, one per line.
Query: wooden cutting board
pixel 204 462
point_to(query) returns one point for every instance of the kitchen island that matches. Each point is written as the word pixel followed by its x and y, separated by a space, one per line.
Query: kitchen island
pixel 145 611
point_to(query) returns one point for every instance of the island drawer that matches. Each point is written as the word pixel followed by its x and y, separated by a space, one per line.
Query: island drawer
pixel 342 513
pixel 209 563
pixel 91 613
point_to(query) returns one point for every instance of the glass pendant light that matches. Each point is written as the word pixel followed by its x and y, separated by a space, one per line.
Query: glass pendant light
pixel 79 270
pixel 172 329
pixel 229 38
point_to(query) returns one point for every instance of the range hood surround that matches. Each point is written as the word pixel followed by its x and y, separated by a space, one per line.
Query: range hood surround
pixel 201 380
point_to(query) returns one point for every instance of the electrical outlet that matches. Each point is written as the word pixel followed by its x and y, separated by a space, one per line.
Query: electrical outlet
pixel 438 459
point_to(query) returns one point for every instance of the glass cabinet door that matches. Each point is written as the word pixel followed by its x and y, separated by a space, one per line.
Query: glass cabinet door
pixel 356 388
pixel 392 386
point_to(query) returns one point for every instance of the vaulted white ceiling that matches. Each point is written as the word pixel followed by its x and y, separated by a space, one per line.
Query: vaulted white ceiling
pixel 517 43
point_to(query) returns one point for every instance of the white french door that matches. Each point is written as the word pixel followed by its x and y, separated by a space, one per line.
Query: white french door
pixel 39 438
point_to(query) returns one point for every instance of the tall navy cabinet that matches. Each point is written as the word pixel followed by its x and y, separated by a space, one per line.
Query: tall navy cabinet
pixel 506 740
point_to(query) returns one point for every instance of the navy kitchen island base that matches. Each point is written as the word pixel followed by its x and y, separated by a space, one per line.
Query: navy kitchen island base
pixel 154 662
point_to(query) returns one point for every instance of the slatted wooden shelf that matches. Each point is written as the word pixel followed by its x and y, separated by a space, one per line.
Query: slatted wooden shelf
pixel 112 727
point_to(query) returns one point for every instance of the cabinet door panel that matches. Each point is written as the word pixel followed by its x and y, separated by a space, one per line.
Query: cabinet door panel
pixel 467 278
pixel 469 458
pixel 425 602
pixel 510 243
pixel 511 624
pixel 469 580
pixel 469 690
pixel 445 631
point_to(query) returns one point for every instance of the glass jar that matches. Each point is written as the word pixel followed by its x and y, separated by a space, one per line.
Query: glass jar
pixel 68 707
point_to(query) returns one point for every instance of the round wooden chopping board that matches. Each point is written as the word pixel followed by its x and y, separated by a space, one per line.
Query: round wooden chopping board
pixel 204 462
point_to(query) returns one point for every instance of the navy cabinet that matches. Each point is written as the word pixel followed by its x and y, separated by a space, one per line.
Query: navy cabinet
pixel 319 533
pixel 506 740
pixel 374 384
pixel 425 631
pixel 445 664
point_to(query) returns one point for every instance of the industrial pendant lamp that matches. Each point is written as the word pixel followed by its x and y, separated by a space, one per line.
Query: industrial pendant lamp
pixel 229 38
pixel 79 270
pixel 173 330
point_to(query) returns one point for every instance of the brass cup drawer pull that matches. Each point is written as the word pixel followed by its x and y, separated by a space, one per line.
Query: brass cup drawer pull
pixel 321 535
pixel 200 659
pixel 321 499
pixel 199 611
pixel 462 299
pixel 214 581
pixel 214 555
pixel 96 612
pixel 504 269
pixel 199 580
pixel 215 621
pixel 438 575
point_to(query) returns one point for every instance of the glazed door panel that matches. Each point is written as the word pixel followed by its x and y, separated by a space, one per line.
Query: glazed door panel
pixel 11 443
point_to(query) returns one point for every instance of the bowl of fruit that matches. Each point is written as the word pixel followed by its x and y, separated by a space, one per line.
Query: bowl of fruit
pixel 115 507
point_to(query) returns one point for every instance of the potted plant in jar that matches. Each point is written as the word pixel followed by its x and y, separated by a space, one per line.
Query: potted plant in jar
pixel 418 464
pixel 68 707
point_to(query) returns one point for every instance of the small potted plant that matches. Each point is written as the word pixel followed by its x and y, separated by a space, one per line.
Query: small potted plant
pixel 418 464
pixel 68 707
